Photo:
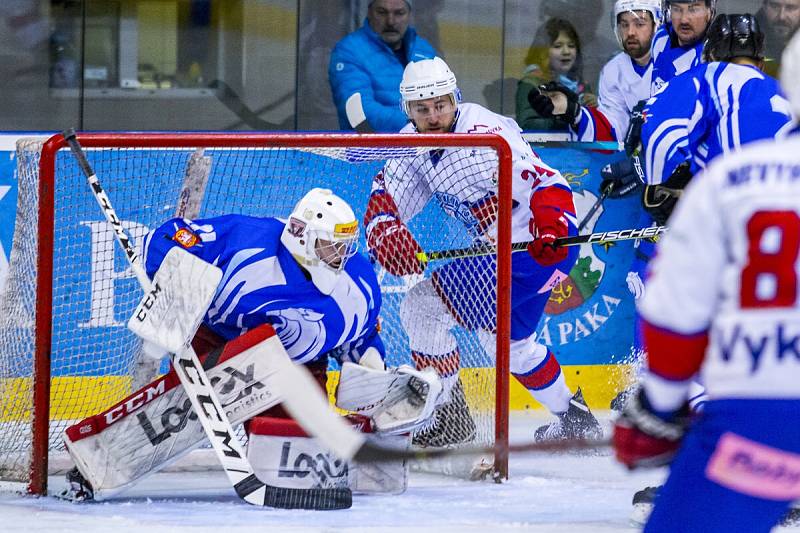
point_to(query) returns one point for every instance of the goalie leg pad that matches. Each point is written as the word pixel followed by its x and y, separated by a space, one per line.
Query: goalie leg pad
pixel 155 425
pixel 284 456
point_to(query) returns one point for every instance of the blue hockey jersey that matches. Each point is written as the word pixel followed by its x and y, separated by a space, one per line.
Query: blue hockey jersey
pixel 697 116
pixel 262 283
pixel 671 59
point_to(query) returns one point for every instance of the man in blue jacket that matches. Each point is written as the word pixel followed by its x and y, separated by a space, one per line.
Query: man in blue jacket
pixel 371 61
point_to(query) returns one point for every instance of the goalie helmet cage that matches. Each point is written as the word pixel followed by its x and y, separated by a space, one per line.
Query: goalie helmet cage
pixel 65 352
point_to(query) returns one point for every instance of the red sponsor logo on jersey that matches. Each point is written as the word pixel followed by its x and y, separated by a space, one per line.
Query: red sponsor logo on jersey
pixel 185 238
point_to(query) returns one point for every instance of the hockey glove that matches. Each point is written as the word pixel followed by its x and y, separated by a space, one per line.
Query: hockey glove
pixel 395 249
pixel 541 100
pixel 633 137
pixel 543 248
pixel 642 438
pixel 624 177
pixel 660 200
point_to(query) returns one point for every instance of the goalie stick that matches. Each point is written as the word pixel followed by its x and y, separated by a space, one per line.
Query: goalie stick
pixel 204 400
pixel 591 238
pixel 355 114
pixel 368 454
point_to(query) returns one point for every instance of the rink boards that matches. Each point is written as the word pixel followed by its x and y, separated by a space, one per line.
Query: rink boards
pixel 588 323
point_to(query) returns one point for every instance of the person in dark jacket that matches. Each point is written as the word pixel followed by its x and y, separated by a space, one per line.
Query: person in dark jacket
pixel 371 61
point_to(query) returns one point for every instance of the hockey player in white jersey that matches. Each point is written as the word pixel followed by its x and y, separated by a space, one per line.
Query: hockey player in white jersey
pixel 734 103
pixel 624 80
pixel 300 277
pixel 722 301
pixel 451 296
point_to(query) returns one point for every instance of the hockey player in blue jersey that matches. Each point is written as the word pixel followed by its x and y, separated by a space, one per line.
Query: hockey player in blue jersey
pixel 305 279
pixel 302 276
pixel 733 103
pixel 678 44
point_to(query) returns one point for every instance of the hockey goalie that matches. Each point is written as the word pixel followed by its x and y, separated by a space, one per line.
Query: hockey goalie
pixel 274 288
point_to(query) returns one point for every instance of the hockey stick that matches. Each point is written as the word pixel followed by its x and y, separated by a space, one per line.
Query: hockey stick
pixel 263 109
pixel 355 114
pixel 190 197
pixel 202 396
pixel 592 210
pixel 233 102
pixel 591 238
pixel 374 454
pixel 193 188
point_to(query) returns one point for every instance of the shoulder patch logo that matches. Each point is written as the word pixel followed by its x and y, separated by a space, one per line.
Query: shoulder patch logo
pixel 185 238
pixel 296 227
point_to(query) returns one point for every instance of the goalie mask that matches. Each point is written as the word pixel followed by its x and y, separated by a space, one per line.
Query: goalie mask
pixel 426 79
pixel 731 36
pixel 635 6
pixel 322 235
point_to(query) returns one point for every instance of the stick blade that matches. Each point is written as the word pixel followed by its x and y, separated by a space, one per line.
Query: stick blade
pixel 355 114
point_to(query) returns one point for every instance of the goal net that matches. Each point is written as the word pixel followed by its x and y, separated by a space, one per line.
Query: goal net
pixel 65 352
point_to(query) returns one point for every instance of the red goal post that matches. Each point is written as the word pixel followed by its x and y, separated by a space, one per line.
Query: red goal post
pixel 57 363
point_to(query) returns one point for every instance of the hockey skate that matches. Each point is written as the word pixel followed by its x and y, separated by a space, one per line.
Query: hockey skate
pixel 78 489
pixel 619 401
pixel 643 505
pixel 577 423
pixel 451 424
pixel 792 517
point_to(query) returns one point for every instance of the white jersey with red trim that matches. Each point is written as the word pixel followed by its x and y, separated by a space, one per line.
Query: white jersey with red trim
pixel 464 181
pixel 722 296
pixel 622 85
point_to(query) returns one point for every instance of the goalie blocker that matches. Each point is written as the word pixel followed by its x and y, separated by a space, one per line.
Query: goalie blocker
pixel 155 426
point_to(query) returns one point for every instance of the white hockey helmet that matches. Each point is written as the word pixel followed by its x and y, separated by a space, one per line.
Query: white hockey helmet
pixel 321 234
pixel 623 6
pixel 425 79
pixel 790 73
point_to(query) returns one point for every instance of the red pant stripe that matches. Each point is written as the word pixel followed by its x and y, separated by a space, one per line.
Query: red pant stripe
pixel 543 375
pixel 445 365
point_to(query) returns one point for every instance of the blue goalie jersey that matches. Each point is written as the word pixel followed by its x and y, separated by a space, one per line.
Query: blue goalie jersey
pixel 262 283
pixel 697 116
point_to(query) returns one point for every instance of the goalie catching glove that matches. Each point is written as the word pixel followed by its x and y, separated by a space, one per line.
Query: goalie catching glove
pixel 398 400
pixel 644 438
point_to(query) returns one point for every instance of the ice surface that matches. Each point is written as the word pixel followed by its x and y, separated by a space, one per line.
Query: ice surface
pixel 563 493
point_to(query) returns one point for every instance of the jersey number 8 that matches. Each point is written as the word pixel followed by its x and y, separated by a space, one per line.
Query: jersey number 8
pixel 769 279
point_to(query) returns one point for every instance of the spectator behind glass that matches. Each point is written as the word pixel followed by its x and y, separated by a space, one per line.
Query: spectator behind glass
pixel 597 46
pixel 555 55
pixel 371 61
pixel 778 19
